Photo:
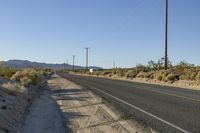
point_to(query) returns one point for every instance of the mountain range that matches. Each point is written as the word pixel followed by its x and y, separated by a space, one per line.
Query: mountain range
pixel 27 64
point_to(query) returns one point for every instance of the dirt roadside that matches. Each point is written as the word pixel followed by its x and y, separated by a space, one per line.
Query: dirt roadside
pixel 67 107
pixel 85 112
pixel 43 116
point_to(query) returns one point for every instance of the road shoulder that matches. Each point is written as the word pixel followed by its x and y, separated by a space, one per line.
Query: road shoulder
pixel 86 112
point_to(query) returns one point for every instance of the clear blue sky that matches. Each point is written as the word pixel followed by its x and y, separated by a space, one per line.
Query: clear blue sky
pixel 127 31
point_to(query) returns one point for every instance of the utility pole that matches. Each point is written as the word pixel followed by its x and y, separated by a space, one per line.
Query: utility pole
pixel 166 37
pixel 87 49
pixel 73 60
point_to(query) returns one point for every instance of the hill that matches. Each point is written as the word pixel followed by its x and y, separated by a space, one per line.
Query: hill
pixel 28 64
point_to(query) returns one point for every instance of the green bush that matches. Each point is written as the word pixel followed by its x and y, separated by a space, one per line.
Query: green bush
pixel 7 72
pixel 141 67
pixel 31 76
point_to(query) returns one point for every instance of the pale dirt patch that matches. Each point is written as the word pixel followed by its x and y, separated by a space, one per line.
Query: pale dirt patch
pixel 85 112
pixel 44 116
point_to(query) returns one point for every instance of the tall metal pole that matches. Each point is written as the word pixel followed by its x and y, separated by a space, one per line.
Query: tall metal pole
pixel 73 61
pixel 166 37
pixel 87 49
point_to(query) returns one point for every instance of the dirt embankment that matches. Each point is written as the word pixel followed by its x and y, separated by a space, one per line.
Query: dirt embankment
pixel 86 112
pixel 18 88
pixel 14 104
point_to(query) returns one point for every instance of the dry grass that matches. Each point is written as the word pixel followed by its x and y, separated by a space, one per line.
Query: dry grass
pixel 31 76
pixel 12 88
pixel 170 75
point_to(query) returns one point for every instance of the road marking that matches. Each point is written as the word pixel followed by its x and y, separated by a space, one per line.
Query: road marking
pixel 165 93
pixel 183 97
pixel 133 106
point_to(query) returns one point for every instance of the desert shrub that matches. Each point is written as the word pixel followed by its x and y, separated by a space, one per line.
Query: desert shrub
pixel 97 73
pixel 12 88
pixel 172 77
pixel 160 64
pixel 180 68
pixel 7 72
pixel 198 77
pixel 114 71
pixel 149 74
pixel 141 74
pixel 161 75
pixel 106 73
pixel 158 75
pixel 142 68
pixel 190 74
pixel 48 72
pixel 130 74
pixel 120 72
pixel 28 76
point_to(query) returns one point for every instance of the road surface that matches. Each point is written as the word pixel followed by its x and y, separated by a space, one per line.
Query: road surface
pixel 167 109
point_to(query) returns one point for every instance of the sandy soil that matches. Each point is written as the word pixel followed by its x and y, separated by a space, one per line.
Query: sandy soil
pixel 44 116
pixel 84 112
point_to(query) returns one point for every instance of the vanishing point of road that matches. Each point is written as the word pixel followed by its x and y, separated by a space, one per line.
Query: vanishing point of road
pixel 167 109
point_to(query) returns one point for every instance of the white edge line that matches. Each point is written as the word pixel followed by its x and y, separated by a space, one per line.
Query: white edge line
pixel 133 106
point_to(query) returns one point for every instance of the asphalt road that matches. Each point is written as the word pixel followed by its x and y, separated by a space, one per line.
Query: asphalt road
pixel 167 109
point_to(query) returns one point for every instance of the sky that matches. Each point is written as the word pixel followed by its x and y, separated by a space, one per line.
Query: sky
pixel 128 32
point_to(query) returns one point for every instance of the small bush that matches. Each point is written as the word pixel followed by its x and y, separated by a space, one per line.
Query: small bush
pixel 158 76
pixel 7 72
pixel 198 77
pixel 114 71
pixel 172 77
pixel 12 88
pixel 149 74
pixel 141 74
pixel 29 76
pixel 142 68
pixel 106 73
pixel 130 74
pixel 120 72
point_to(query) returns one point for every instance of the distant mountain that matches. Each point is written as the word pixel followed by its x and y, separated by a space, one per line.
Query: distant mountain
pixel 27 64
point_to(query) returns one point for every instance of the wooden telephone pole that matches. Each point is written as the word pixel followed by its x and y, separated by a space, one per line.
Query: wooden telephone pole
pixel 166 37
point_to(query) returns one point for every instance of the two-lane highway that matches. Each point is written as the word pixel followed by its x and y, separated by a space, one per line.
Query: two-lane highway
pixel 166 109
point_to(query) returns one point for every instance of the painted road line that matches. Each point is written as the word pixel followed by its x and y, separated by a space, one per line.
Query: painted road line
pixel 133 106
